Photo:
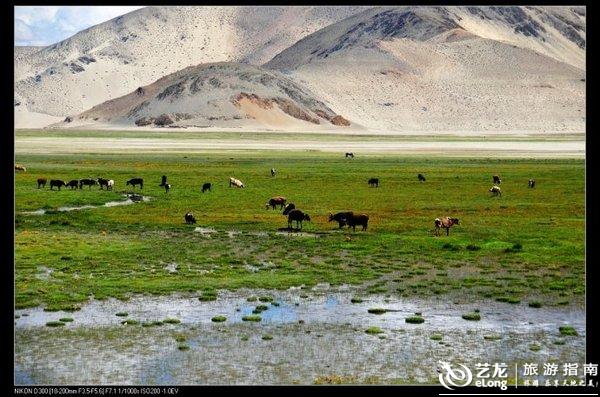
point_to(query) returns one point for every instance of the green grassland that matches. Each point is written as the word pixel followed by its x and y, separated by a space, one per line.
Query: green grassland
pixel 528 243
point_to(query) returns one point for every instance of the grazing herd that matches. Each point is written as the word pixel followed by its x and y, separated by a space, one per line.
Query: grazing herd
pixel 347 218
pixel 77 183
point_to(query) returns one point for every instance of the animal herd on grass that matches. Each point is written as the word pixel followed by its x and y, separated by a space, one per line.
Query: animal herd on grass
pixel 346 218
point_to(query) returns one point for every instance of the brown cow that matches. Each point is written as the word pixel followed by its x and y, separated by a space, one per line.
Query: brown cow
pixel 275 201
pixel 446 223
pixel 19 167
pixel 41 182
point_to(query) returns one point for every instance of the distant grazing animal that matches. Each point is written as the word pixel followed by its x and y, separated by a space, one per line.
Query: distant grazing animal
pixel 87 182
pixel 207 186
pixel 103 182
pixel 189 218
pixel 19 167
pixel 56 182
pixel 532 183
pixel 41 182
pixel 353 220
pixel 273 171
pixel 167 187
pixel 163 180
pixel 73 184
pixel 421 178
pixel 288 208
pixel 495 190
pixel 110 184
pixel 275 201
pixel 373 182
pixel 235 182
pixel 446 223
pixel 341 218
pixel 350 155
pixel 497 179
pixel 135 181
pixel 298 216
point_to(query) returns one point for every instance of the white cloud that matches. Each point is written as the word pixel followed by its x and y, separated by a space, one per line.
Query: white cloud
pixel 22 31
pixel 45 25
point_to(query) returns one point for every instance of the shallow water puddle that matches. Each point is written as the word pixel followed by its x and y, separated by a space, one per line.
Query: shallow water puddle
pixel 127 201
pixel 205 231
pixel 319 305
pixel 314 333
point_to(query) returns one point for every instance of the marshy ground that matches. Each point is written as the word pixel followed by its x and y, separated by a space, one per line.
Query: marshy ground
pixel 301 335
pixel 517 259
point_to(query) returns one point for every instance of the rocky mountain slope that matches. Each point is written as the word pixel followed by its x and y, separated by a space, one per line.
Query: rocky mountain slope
pixel 385 69
pixel 113 58
pixel 218 94
pixel 449 68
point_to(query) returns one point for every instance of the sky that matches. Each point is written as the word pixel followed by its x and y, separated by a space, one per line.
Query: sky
pixel 45 25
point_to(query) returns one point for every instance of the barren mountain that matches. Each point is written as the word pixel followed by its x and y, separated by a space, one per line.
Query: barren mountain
pixel 387 69
pixel 449 68
pixel 113 58
pixel 219 94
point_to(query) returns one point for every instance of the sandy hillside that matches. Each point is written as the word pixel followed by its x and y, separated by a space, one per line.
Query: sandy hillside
pixel 465 70
pixel 113 58
pixel 449 69
pixel 219 94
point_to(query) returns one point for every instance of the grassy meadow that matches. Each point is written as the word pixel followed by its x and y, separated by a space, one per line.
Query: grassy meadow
pixel 527 245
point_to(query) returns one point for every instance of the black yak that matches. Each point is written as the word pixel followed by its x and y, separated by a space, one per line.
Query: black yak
pixel 341 218
pixel 57 182
pixel 73 184
pixel 288 208
pixel 135 181
pixel 87 182
pixel 373 182
pixel 361 219
pixel 189 218
pixel 298 216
